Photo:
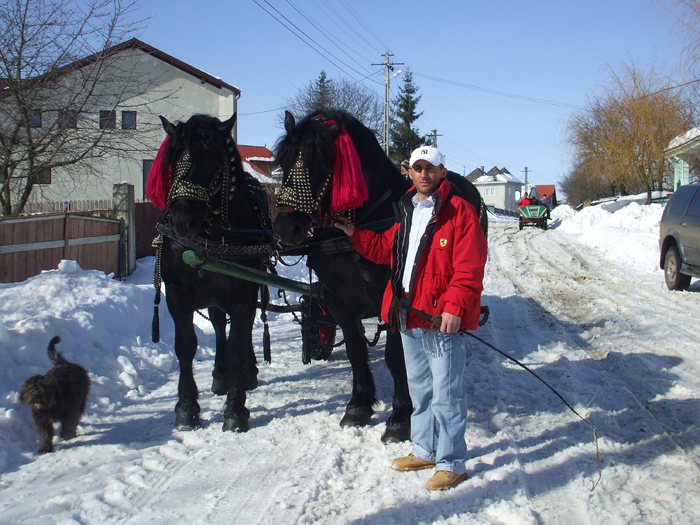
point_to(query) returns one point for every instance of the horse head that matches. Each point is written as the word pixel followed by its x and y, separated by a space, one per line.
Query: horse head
pixel 332 165
pixel 306 156
pixel 203 161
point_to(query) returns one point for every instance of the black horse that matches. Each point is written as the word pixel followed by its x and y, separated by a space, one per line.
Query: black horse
pixel 212 207
pixel 352 286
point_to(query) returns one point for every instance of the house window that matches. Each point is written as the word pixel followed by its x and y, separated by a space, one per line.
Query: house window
pixel 68 119
pixel 108 119
pixel 490 191
pixel 146 170
pixel 128 119
pixel 34 118
pixel 44 176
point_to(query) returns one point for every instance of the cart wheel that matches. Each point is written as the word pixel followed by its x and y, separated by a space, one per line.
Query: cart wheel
pixel 544 225
pixel 317 331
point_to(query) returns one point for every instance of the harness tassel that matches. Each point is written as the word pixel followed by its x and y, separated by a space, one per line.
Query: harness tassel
pixel 265 300
pixel 155 323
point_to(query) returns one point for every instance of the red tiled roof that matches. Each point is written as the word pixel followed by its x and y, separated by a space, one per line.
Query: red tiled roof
pixel 255 153
pixel 545 189
pixel 252 154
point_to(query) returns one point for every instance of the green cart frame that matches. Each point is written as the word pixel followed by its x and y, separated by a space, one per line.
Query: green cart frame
pixel 533 215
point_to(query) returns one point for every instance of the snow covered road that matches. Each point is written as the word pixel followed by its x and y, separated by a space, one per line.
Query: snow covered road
pixel 620 347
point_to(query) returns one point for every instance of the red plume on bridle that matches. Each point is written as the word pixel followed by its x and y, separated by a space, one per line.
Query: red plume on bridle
pixel 348 189
pixel 158 184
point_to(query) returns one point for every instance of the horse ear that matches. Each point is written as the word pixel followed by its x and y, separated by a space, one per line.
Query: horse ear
pixel 289 123
pixel 227 125
pixel 169 128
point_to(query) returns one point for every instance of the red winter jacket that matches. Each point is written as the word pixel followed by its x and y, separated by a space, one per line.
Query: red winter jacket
pixel 450 260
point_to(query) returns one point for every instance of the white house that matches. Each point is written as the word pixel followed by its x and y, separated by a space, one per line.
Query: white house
pixel 498 187
pixel 165 86
pixel 681 152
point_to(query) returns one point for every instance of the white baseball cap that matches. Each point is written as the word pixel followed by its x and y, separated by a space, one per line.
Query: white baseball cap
pixel 427 153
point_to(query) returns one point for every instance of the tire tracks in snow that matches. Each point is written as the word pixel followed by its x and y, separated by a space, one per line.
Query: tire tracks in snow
pixel 588 304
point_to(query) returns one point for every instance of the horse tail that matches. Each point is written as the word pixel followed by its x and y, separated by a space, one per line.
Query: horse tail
pixel 56 358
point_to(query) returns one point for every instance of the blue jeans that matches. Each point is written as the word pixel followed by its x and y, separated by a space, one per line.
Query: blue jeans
pixel 435 368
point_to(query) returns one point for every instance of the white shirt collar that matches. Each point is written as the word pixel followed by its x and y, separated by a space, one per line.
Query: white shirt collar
pixel 429 202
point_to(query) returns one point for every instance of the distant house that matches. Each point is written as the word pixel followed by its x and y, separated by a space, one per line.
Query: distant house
pixel 498 187
pixel 683 151
pixel 260 162
pixel 166 86
pixel 549 190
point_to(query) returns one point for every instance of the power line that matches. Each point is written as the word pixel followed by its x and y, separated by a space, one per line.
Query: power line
pixel 503 93
pixel 354 14
pixel 341 29
pixel 342 22
pixel 329 35
pixel 299 30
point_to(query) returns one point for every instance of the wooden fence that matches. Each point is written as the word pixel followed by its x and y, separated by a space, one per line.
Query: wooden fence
pixel 95 238
pixel 67 206
pixel 29 245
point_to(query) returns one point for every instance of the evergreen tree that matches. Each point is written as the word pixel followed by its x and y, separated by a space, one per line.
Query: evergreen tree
pixel 321 92
pixel 403 136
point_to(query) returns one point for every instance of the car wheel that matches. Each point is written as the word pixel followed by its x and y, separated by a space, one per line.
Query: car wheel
pixel 675 280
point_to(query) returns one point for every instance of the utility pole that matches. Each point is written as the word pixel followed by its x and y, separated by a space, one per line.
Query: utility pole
pixel 435 135
pixel 527 187
pixel 388 66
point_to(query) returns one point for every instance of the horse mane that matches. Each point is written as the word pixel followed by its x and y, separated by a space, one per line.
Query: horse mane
pixel 315 142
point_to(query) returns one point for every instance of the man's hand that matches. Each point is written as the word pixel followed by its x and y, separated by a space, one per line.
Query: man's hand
pixel 450 323
pixel 344 224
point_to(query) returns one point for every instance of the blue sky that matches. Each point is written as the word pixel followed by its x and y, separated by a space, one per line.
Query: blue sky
pixel 460 51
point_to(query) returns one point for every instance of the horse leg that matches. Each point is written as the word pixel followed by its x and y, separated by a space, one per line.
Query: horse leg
pixel 221 375
pixel 187 408
pixel 398 425
pixel 358 411
pixel 240 345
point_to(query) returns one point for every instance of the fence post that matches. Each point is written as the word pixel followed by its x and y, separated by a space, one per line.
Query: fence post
pixel 125 211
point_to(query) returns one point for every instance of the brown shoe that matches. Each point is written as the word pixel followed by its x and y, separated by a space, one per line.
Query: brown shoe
pixel 444 479
pixel 411 462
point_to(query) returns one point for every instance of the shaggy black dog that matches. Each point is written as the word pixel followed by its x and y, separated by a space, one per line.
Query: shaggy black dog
pixel 59 395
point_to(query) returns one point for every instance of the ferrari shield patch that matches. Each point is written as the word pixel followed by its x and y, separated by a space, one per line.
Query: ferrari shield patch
pixel 443 243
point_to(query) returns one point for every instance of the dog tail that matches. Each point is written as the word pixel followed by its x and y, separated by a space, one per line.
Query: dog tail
pixel 55 357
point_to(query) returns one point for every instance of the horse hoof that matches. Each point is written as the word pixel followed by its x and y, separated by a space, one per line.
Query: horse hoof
pixel 236 424
pixel 187 422
pixel 356 418
pixel 396 434
pixel 220 386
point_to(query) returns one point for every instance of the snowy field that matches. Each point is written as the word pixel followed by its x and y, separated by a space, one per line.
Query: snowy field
pixel 583 304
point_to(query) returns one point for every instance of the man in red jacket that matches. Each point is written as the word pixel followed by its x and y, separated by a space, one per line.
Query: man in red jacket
pixel 437 253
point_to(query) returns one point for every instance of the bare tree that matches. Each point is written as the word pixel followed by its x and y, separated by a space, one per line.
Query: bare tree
pixel 59 59
pixel 620 139
pixel 324 93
